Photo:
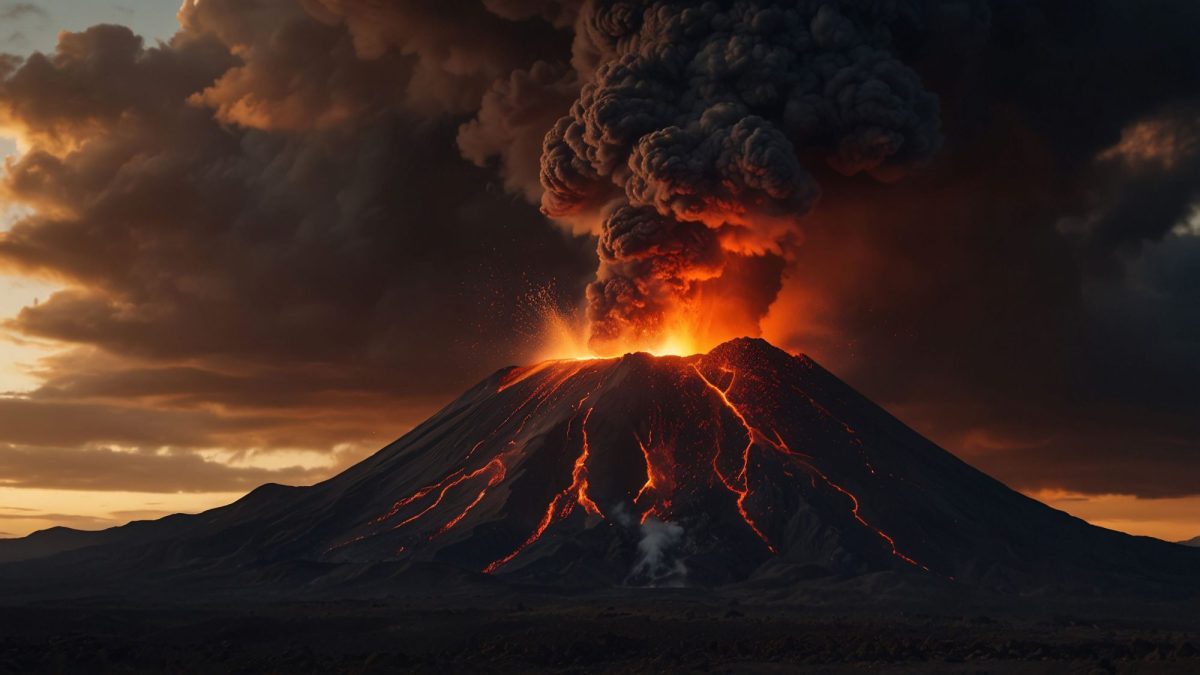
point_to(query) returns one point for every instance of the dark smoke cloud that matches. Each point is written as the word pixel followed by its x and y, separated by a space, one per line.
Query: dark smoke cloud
pixel 715 114
pixel 273 234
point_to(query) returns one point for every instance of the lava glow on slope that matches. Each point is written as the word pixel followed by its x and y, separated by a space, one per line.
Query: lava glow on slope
pixel 699 426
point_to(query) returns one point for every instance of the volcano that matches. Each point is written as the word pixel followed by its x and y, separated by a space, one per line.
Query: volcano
pixel 743 465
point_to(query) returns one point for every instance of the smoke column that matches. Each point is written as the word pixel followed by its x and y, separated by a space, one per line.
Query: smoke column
pixel 695 139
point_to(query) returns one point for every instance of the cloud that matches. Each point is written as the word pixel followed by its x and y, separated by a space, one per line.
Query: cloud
pixel 14 11
pixel 65 519
pixel 104 469
pixel 235 247
pixel 221 291
pixel 268 239
pixel 31 422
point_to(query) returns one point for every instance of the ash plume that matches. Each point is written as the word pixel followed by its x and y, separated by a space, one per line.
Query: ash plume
pixel 701 129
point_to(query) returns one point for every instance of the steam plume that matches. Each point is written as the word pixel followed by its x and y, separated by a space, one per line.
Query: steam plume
pixel 656 564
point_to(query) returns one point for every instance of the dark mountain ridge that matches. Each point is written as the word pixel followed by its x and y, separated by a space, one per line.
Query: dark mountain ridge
pixel 743 465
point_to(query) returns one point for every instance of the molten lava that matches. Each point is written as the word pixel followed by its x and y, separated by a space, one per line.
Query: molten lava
pixel 706 441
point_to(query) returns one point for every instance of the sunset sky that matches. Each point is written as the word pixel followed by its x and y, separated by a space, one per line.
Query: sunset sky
pixel 254 241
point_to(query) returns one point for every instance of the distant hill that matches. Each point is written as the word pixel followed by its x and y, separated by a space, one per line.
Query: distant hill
pixel 1192 542
pixel 48 542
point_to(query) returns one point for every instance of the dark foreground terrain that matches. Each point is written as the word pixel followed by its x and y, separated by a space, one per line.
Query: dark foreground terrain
pixel 630 631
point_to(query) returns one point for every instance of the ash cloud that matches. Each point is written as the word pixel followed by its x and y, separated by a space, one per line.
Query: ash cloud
pixel 718 114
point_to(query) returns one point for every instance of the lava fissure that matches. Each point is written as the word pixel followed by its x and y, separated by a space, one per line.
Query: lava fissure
pixel 549 387
pixel 661 468
pixel 649 484
pixel 544 392
pixel 496 466
pixel 814 472
pixel 498 473
pixel 400 504
pixel 579 476
pixel 744 475
pixel 755 435
pixel 854 511
pixel 561 504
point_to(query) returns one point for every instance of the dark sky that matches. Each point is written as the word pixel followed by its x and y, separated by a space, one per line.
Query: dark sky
pixel 295 228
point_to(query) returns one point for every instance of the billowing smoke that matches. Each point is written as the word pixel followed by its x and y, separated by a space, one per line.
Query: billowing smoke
pixel 697 133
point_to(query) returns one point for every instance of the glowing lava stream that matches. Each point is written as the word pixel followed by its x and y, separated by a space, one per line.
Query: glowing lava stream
pixel 561 505
pixel 854 510
pixel 497 476
pixel 751 434
pixel 649 484
pixel 779 445
pixel 544 392
pixel 659 483
pixel 579 476
pixel 496 466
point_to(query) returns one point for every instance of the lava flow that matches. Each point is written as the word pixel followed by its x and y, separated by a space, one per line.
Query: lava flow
pixel 616 442
pixel 757 437
pixel 564 502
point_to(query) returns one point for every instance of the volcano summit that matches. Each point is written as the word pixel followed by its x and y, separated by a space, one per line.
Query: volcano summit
pixel 745 464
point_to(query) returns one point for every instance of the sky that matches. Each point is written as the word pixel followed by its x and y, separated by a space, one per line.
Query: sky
pixel 34 26
pixel 248 242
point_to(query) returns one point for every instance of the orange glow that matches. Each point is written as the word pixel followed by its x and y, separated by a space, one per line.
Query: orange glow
pixel 695 329
pixel 563 344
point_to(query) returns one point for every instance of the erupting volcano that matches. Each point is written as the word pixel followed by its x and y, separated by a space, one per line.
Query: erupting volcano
pixel 730 447
pixel 742 464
